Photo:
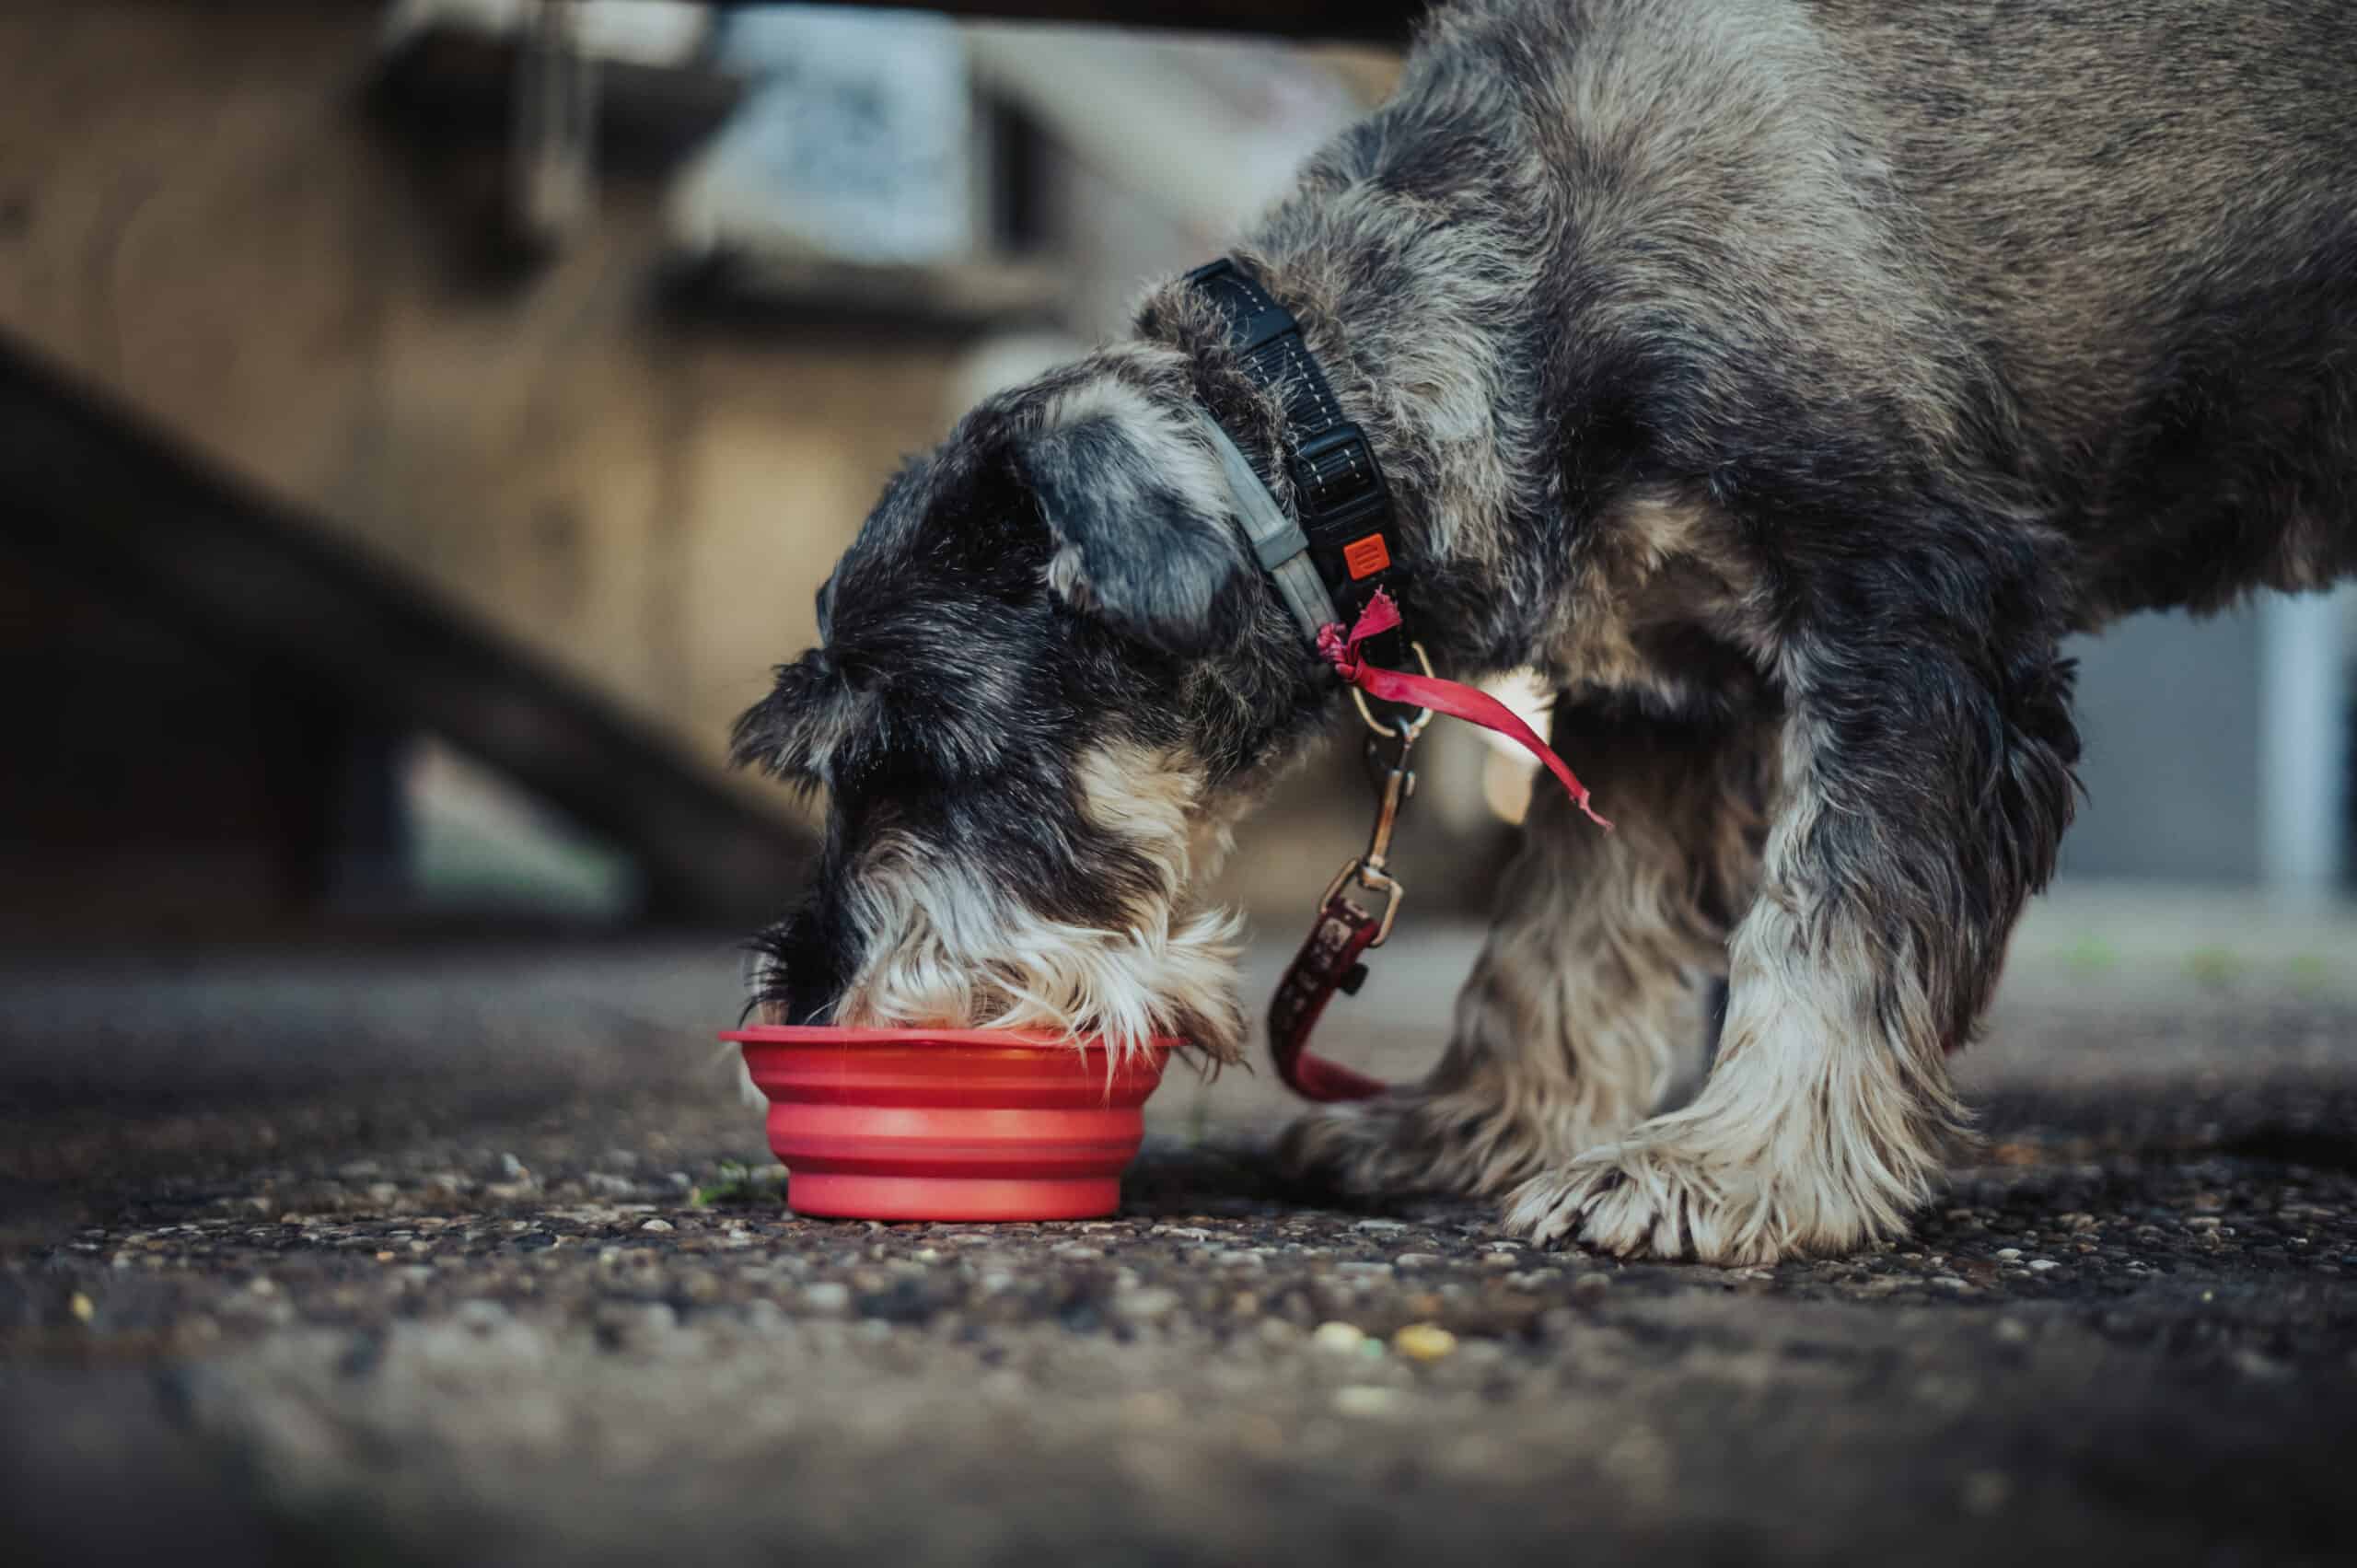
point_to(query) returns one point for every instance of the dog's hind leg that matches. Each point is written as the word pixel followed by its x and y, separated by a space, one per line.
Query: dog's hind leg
pixel 1584 999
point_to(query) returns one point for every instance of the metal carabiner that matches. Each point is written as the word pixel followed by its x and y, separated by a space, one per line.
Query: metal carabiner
pixel 1372 869
pixel 1411 728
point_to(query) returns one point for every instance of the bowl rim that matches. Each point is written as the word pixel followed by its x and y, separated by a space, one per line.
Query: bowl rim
pixel 1025 1039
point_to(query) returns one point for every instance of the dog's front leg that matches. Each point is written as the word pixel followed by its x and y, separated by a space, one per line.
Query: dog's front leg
pixel 1575 1021
pixel 1926 785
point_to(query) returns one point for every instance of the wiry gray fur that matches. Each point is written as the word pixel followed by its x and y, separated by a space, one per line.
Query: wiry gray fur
pixel 1784 379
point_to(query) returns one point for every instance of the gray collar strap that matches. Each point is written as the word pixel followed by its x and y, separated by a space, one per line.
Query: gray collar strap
pixel 1278 542
pixel 1342 546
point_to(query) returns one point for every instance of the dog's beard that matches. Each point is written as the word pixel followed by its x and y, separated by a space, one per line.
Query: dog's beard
pixel 945 942
pixel 944 948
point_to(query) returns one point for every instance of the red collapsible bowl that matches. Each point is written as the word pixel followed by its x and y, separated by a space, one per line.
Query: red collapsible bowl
pixel 950 1124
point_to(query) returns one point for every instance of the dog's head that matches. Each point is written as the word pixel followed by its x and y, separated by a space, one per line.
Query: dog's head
pixel 1048 674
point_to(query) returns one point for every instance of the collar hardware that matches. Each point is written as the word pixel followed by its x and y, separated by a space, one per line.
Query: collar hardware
pixel 1340 498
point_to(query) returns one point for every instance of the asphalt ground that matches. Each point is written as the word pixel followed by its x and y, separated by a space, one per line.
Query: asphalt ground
pixel 472 1256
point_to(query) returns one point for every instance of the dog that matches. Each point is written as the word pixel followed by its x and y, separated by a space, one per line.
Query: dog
pixel 1783 381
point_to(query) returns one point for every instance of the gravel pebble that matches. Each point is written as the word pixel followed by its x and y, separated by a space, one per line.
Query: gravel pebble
pixel 1341 1339
pixel 1367 1399
pixel 1424 1342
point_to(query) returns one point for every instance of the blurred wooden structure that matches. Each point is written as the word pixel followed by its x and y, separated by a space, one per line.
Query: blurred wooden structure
pixel 284 322
pixel 95 498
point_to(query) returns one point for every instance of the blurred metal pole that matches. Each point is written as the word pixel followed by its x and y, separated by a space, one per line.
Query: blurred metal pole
pixel 556 122
pixel 2305 698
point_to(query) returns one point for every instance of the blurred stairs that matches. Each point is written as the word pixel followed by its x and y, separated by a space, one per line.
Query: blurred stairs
pixel 95 493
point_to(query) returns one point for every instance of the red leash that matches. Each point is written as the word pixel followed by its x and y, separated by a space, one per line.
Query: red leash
pixel 1332 960
pixel 1442 696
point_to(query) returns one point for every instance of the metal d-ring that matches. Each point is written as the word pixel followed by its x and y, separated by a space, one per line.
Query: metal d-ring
pixel 1407 729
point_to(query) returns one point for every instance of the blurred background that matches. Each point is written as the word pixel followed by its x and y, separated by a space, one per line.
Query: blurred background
pixel 423 425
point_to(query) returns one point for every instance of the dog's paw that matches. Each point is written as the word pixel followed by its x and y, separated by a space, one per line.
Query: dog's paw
pixel 1659 1197
pixel 1412 1141
pixel 1350 1150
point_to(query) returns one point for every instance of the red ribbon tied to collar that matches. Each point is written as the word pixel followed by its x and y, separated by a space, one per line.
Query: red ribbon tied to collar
pixel 1442 696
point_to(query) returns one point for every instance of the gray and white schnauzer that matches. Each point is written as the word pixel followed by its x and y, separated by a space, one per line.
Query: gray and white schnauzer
pixel 1781 379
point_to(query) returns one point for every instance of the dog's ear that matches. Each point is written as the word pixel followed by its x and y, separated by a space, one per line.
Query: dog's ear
pixel 1143 521
pixel 795 732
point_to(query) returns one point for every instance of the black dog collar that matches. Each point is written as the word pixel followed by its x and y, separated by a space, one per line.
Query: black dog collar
pixel 1344 528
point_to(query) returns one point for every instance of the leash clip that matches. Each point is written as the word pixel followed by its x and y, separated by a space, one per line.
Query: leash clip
pixel 1409 729
pixel 1371 870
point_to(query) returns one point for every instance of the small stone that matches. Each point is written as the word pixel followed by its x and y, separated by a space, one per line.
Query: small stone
pixel 1364 1399
pixel 827 1295
pixel 1380 1225
pixel 1591 1287
pixel 510 1167
pixel 1424 1342
pixel 1501 1261
pixel 2013 1330
pixel 2008 1254
pixel 385 1257
pixel 1144 1306
pixel 1075 1250
pixel 2252 1365
pixel 1986 1491
pixel 480 1314
pixel 84 1308
pixel 656 1225
pixel 1152 1407
pixel 1341 1339
pixel 2042 1265
pixel 1417 1259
